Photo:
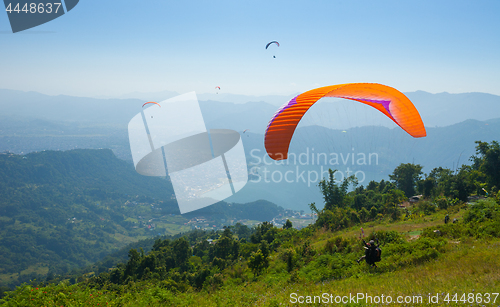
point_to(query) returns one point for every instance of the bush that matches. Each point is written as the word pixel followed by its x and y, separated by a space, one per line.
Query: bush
pixel 385 237
pixel 426 207
pixel 326 267
pixel 289 256
pixel 335 245
pixel 481 211
pixel 442 203
pixel 213 282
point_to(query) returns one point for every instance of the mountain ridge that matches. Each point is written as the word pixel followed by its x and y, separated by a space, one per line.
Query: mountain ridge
pixel 441 109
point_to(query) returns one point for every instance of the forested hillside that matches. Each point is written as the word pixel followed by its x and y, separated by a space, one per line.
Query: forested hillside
pixel 66 210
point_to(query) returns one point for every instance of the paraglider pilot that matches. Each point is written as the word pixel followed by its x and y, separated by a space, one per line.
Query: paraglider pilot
pixel 372 253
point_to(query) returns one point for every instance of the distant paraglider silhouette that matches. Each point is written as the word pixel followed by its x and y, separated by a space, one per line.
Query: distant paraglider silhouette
pixel 273 42
pixel 218 89
pixel 270 43
pixel 153 103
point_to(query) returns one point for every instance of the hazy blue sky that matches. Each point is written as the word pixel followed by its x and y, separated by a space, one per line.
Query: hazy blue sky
pixel 115 47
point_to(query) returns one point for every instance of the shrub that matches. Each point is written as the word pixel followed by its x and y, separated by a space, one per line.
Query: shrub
pixel 442 203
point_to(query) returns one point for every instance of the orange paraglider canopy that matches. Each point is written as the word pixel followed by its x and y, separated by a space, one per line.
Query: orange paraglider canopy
pixel 387 100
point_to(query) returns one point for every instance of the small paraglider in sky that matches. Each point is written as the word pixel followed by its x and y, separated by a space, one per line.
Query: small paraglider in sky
pixel 245 131
pixel 151 102
pixel 218 89
pixel 270 43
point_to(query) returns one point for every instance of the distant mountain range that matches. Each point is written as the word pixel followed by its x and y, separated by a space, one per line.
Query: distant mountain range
pixel 217 95
pixel 240 112
pixel 445 109
pixel 32 122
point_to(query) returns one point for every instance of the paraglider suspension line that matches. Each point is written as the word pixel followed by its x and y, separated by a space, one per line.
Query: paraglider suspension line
pixel 227 173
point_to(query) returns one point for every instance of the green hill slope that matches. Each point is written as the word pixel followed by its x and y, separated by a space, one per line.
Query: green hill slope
pixel 64 209
pixel 315 267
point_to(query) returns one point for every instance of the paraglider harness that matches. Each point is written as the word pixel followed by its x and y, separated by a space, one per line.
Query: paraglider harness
pixel 373 252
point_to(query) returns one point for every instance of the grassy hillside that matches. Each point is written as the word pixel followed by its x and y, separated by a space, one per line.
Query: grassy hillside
pixel 417 264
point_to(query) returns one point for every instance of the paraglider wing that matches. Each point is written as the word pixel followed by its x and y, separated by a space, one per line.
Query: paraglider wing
pixel 273 42
pixel 387 100
pixel 151 102
pixel 217 87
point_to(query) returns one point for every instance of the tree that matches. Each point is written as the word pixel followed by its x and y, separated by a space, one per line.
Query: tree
pixel 181 251
pixel 223 247
pixel 313 208
pixel 427 186
pixel 235 249
pixel 227 232
pixel 487 160
pixel 226 247
pixel 148 264
pixel 264 247
pixel 462 184
pixel 243 231
pixel 257 262
pixel 442 178
pixel 133 263
pixel 333 193
pixel 159 244
pixel 290 256
pixel 406 176
pixel 372 185
pixel 360 200
pixel 264 231
pixel 392 200
pixel 287 224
